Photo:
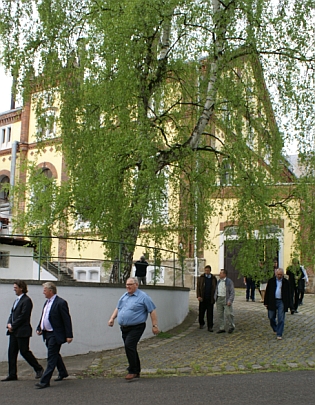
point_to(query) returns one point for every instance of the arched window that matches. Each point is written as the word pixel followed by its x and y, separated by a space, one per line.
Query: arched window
pixel 4 193
pixel 47 173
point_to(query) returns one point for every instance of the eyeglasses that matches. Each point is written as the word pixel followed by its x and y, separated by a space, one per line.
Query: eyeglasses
pixel 128 285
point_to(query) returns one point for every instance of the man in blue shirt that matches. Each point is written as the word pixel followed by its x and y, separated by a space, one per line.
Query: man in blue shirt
pixel 131 313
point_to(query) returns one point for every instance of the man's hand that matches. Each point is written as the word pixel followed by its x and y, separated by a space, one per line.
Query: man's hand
pixel 69 340
pixel 9 326
pixel 111 322
pixel 200 299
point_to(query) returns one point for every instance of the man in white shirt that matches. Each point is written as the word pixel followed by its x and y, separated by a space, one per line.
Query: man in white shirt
pixel 224 296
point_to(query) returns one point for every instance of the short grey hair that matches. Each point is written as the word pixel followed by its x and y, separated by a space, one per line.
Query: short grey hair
pixel 134 279
pixel 50 286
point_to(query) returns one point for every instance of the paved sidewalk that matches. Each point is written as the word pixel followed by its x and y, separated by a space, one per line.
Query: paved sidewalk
pixel 187 350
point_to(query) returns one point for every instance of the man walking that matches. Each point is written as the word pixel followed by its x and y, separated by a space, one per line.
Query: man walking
pixel 141 270
pixel 20 331
pixel 56 327
pixel 206 285
pixel 277 301
pixel 224 296
pixel 132 312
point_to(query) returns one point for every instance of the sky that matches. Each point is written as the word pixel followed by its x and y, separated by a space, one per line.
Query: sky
pixel 5 91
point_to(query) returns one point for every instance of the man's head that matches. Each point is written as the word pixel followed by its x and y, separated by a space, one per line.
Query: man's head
pixel 49 290
pixel 207 269
pixel 20 287
pixel 295 262
pixel 132 285
pixel 142 258
pixel 275 263
pixel 279 274
pixel 223 274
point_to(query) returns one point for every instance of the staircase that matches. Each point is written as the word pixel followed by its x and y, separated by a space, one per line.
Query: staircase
pixel 61 272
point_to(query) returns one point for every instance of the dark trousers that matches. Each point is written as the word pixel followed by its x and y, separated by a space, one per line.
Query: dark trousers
pixel 294 297
pixel 21 344
pixel 54 358
pixel 301 288
pixel 206 306
pixel 250 289
pixel 131 336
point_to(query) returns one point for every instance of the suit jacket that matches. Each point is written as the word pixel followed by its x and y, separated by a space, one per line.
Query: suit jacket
pixel 270 295
pixel 20 318
pixel 60 320
pixel 201 287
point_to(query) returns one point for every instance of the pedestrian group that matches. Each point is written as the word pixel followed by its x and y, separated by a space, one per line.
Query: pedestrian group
pixel 133 308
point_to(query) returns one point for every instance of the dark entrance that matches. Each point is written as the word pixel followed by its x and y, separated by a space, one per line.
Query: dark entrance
pixel 267 250
pixel 231 250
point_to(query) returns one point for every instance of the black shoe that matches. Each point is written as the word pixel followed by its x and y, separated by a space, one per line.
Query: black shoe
pixel 221 331
pixel 210 329
pixel 39 373
pixel 201 326
pixel 292 312
pixel 247 300
pixel 41 385
pixel 61 377
pixel 296 311
pixel 9 378
pixel 231 330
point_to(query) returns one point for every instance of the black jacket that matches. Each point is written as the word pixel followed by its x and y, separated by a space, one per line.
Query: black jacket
pixel 270 298
pixel 20 318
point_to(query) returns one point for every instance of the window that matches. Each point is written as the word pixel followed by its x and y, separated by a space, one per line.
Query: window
pixel 46 125
pixel 47 173
pixel 226 173
pixel 4 259
pixel 4 193
pixel 5 137
pixel 89 274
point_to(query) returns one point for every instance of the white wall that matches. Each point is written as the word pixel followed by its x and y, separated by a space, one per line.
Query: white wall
pixel 20 262
pixel 43 274
pixel 91 305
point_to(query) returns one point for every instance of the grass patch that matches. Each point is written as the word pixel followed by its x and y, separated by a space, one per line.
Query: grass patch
pixel 165 335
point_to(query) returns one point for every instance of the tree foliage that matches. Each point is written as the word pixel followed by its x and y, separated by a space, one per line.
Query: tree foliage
pixel 164 107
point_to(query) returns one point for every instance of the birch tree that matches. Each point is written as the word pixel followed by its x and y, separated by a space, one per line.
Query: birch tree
pixel 170 103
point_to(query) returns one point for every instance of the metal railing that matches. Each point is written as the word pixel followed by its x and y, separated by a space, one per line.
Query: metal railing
pixel 60 256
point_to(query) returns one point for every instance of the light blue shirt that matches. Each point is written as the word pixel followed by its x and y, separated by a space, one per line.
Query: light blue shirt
pixel 134 309
pixel 278 289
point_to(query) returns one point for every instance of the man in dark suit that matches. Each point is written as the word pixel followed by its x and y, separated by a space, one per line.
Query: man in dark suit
pixel 56 327
pixel 20 331
pixel 278 300
pixel 206 285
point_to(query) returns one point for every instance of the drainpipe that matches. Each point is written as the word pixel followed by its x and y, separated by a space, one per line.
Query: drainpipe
pixel 12 175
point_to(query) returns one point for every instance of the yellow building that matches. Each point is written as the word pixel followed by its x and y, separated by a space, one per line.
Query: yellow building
pixel 19 145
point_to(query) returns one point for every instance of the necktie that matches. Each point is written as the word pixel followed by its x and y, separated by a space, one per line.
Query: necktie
pixel 15 303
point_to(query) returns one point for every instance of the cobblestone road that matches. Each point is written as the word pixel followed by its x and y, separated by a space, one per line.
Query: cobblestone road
pixel 188 350
pixel 252 346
